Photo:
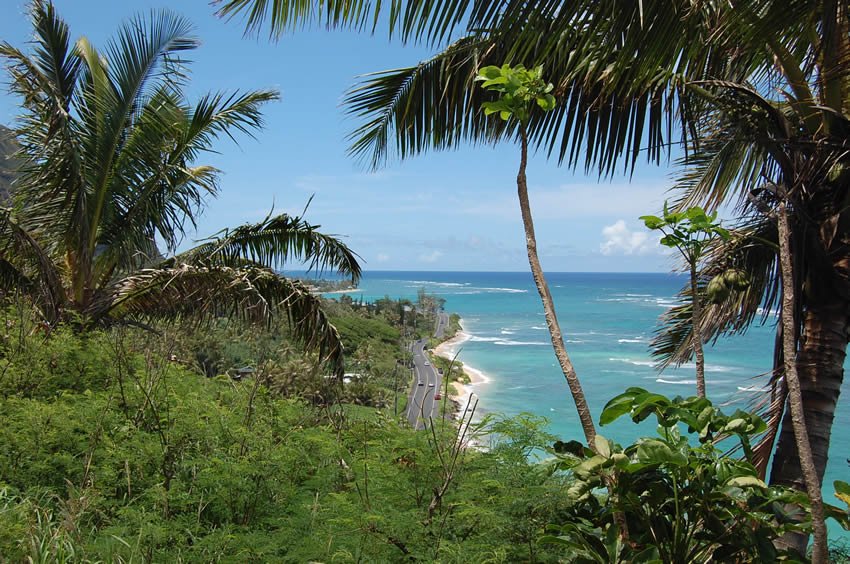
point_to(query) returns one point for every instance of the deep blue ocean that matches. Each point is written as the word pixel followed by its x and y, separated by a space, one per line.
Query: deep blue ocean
pixel 608 321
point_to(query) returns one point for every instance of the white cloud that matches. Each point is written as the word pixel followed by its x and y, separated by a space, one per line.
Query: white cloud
pixel 619 239
pixel 569 201
pixel 382 257
pixel 430 257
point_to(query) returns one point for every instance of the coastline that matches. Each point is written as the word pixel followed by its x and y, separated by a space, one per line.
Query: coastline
pixel 462 396
pixel 345 291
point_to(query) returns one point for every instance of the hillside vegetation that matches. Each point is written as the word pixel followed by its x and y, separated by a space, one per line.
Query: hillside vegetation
pixel 7 163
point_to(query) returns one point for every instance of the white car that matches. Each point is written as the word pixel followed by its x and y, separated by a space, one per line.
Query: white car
pixel 431 385
pixel 427 363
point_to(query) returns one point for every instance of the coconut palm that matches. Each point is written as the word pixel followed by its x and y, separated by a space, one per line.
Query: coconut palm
pixel 108 149
pixel 630 74
pixel 808 178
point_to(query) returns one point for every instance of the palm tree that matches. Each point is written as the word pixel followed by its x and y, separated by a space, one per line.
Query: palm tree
pixel 521 92
pixel 108 146
pixel 779 145
pixel 632 75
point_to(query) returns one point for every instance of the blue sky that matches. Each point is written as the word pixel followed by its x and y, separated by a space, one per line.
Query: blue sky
pixel 439 211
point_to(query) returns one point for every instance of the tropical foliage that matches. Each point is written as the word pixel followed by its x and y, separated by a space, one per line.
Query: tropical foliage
pixel 755 93
pixel 684 501
pixel 118 447
pixel 108 151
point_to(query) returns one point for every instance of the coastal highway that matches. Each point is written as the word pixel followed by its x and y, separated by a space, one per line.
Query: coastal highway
pixel 421 404
pixel 442 323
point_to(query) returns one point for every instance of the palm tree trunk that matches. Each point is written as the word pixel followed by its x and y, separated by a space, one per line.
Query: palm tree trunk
pixel 546 297
pixel 805 464
pixel 696 313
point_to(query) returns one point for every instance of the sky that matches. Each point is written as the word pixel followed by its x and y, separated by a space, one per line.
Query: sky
pixel 452 210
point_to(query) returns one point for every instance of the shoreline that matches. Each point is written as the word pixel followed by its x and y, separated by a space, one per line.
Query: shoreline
pixel 463 393
pixel 345 291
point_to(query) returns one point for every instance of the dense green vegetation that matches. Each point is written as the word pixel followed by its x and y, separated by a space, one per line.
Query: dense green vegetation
pixel 114 447
pixel 144 418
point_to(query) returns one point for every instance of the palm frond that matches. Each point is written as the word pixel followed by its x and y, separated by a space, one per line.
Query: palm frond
pixel 432 105
pixel 47 81
pixel 411 20
pixel 273 241
pixel 603 118
pixel 144 53
pixel 160 190
pixel 28 268
pixel 220 113
pixel 619 68
pixel 12 279
pixel 251 294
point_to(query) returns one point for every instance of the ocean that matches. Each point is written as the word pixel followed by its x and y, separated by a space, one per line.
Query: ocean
pixel 608 321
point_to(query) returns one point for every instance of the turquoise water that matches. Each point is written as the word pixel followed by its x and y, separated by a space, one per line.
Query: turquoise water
pixel 608 321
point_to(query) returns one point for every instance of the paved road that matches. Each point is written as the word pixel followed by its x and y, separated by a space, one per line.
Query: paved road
pixel 442 323
pixel 421 403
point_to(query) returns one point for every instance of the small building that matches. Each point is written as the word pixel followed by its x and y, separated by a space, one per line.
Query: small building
pixel 239 373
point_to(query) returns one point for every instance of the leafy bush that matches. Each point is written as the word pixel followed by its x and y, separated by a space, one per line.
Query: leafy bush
pixel 668 498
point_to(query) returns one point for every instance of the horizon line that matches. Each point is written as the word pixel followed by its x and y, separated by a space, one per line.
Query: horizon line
pixel 376 271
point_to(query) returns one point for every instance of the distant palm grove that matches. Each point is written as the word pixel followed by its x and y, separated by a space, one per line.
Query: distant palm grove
pixel 169 403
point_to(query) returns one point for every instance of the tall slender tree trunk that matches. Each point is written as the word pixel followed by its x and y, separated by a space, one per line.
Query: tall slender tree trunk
pixel 546 297
pixel 804 459
pixel 696 314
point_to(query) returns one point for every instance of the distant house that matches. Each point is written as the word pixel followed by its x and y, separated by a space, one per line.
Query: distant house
pixel 239 373
pixel 347 378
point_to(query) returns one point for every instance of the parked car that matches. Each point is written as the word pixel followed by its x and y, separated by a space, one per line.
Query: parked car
pixel 431 385
pixel 437 396
pixel 421 383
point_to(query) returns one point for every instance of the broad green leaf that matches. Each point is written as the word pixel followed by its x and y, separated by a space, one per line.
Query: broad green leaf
pixel 842 491
pixel 746 482
pixel 620 460
pixel 705 417
pixel 647 403
pixel 590 466
pixel 657 452
pixel 652 221
pixel 494 81
pixel 684 415
pixel 603 447
pixel 617 407
pixel 840 515
pixel 547 102
pixel 670 241
pixel 736 426
pixel 488 73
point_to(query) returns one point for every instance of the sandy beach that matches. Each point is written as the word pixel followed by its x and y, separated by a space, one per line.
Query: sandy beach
pixel 346 291
pixel 463 392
